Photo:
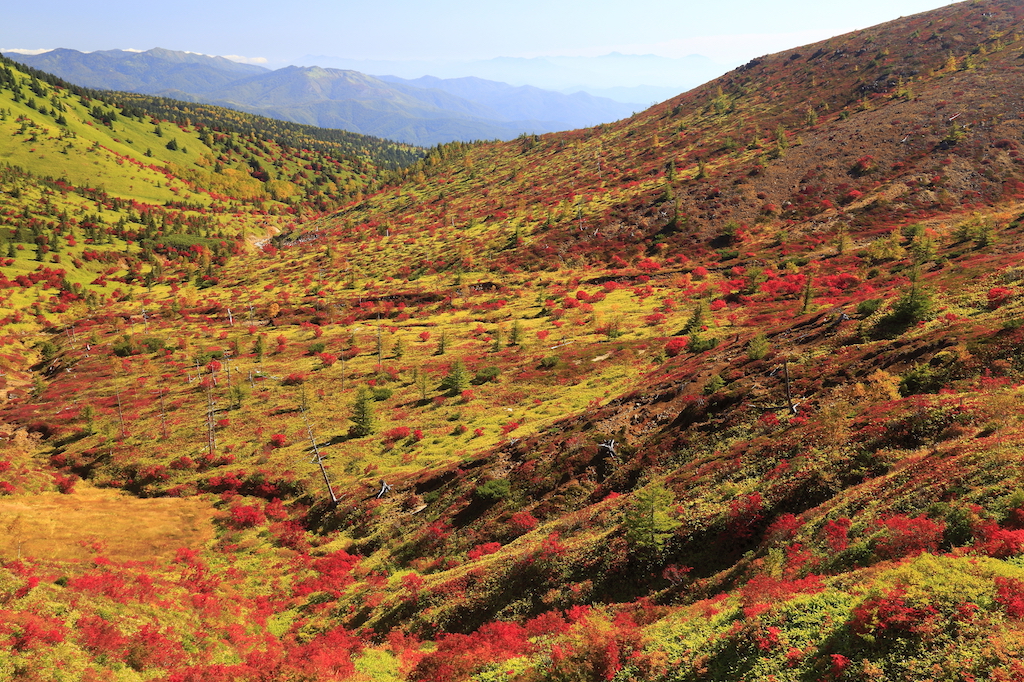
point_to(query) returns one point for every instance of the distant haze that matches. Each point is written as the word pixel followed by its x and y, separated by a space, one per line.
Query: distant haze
pixel 641 79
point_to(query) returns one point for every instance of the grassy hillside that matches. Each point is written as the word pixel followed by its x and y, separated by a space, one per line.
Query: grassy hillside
pixel 728 391
pixel 419 112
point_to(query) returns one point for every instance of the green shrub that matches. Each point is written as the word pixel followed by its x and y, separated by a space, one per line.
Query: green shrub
pixel 922 379
pixel 700 343
pixel 714 384
pixel 868 307
pixel 153 344
pixel 493 490
pixel 48 350
pixel 124 347
pixel 486 374
pixel 381 393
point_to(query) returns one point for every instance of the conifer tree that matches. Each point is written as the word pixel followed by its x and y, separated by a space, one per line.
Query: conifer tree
pixel 364 421
pixel 457 379
pixel 648 520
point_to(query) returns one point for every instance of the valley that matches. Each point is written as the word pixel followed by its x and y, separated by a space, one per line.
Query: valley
pixel 726 390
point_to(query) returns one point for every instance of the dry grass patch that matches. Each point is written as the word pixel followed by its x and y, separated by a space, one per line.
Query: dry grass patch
pixel 51 526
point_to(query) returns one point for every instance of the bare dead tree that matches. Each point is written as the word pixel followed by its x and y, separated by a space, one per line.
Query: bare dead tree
pixel 318 458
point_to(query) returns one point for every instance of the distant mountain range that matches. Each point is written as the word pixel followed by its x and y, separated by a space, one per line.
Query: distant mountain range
pixel 650 78
pixel 424 111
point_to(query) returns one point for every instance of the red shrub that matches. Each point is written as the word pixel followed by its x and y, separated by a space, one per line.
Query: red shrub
pixel 101 636
pixel 836 534
pixel 28 631
pixel 65 484
pixel 997 542
pixel 551 622
pixel 328 656
pixel 412 583
pixel 997 296
pixel 906 536
pixel 396 434
pixel 1010 595
pixel 839 664
pixel 333 574
pixel 246 516
pixel 484 550
pixel 275 510
pixel 890 614
pixel 676 345
pixel 784 527
pixel 523 521
pixel 457 655
pixel 744 514
pixel 655 319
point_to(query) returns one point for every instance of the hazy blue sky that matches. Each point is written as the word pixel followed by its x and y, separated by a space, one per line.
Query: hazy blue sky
pixel 277 32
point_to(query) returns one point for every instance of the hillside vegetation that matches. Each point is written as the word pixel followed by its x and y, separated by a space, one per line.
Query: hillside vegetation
pixel 425 111
pixel 729 390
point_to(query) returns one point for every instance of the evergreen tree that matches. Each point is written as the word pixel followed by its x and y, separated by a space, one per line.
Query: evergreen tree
pixel 758 347
pixel 808 293
pixel 648 520
pixel 696 321
pixel 364 421
pixel 517 334
pixel 457 379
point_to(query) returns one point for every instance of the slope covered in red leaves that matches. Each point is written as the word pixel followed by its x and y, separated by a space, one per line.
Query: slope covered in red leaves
pixel 728 390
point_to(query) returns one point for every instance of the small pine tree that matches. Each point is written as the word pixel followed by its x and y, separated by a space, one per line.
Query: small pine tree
pixel 398 350
pixel 517 334
pixel 696 320
pixel 457 379
pixel 808 294
pixel 648 520
pixel 423 384
pixel 758 347
pixel 914 306
pixel 364 421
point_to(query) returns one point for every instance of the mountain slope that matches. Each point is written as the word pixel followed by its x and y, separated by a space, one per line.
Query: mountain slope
pixel 335 98
pixel 636 402
pixel 367 105
pixel 153 72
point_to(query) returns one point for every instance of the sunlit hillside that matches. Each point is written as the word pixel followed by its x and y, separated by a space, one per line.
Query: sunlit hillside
pixel 725 391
